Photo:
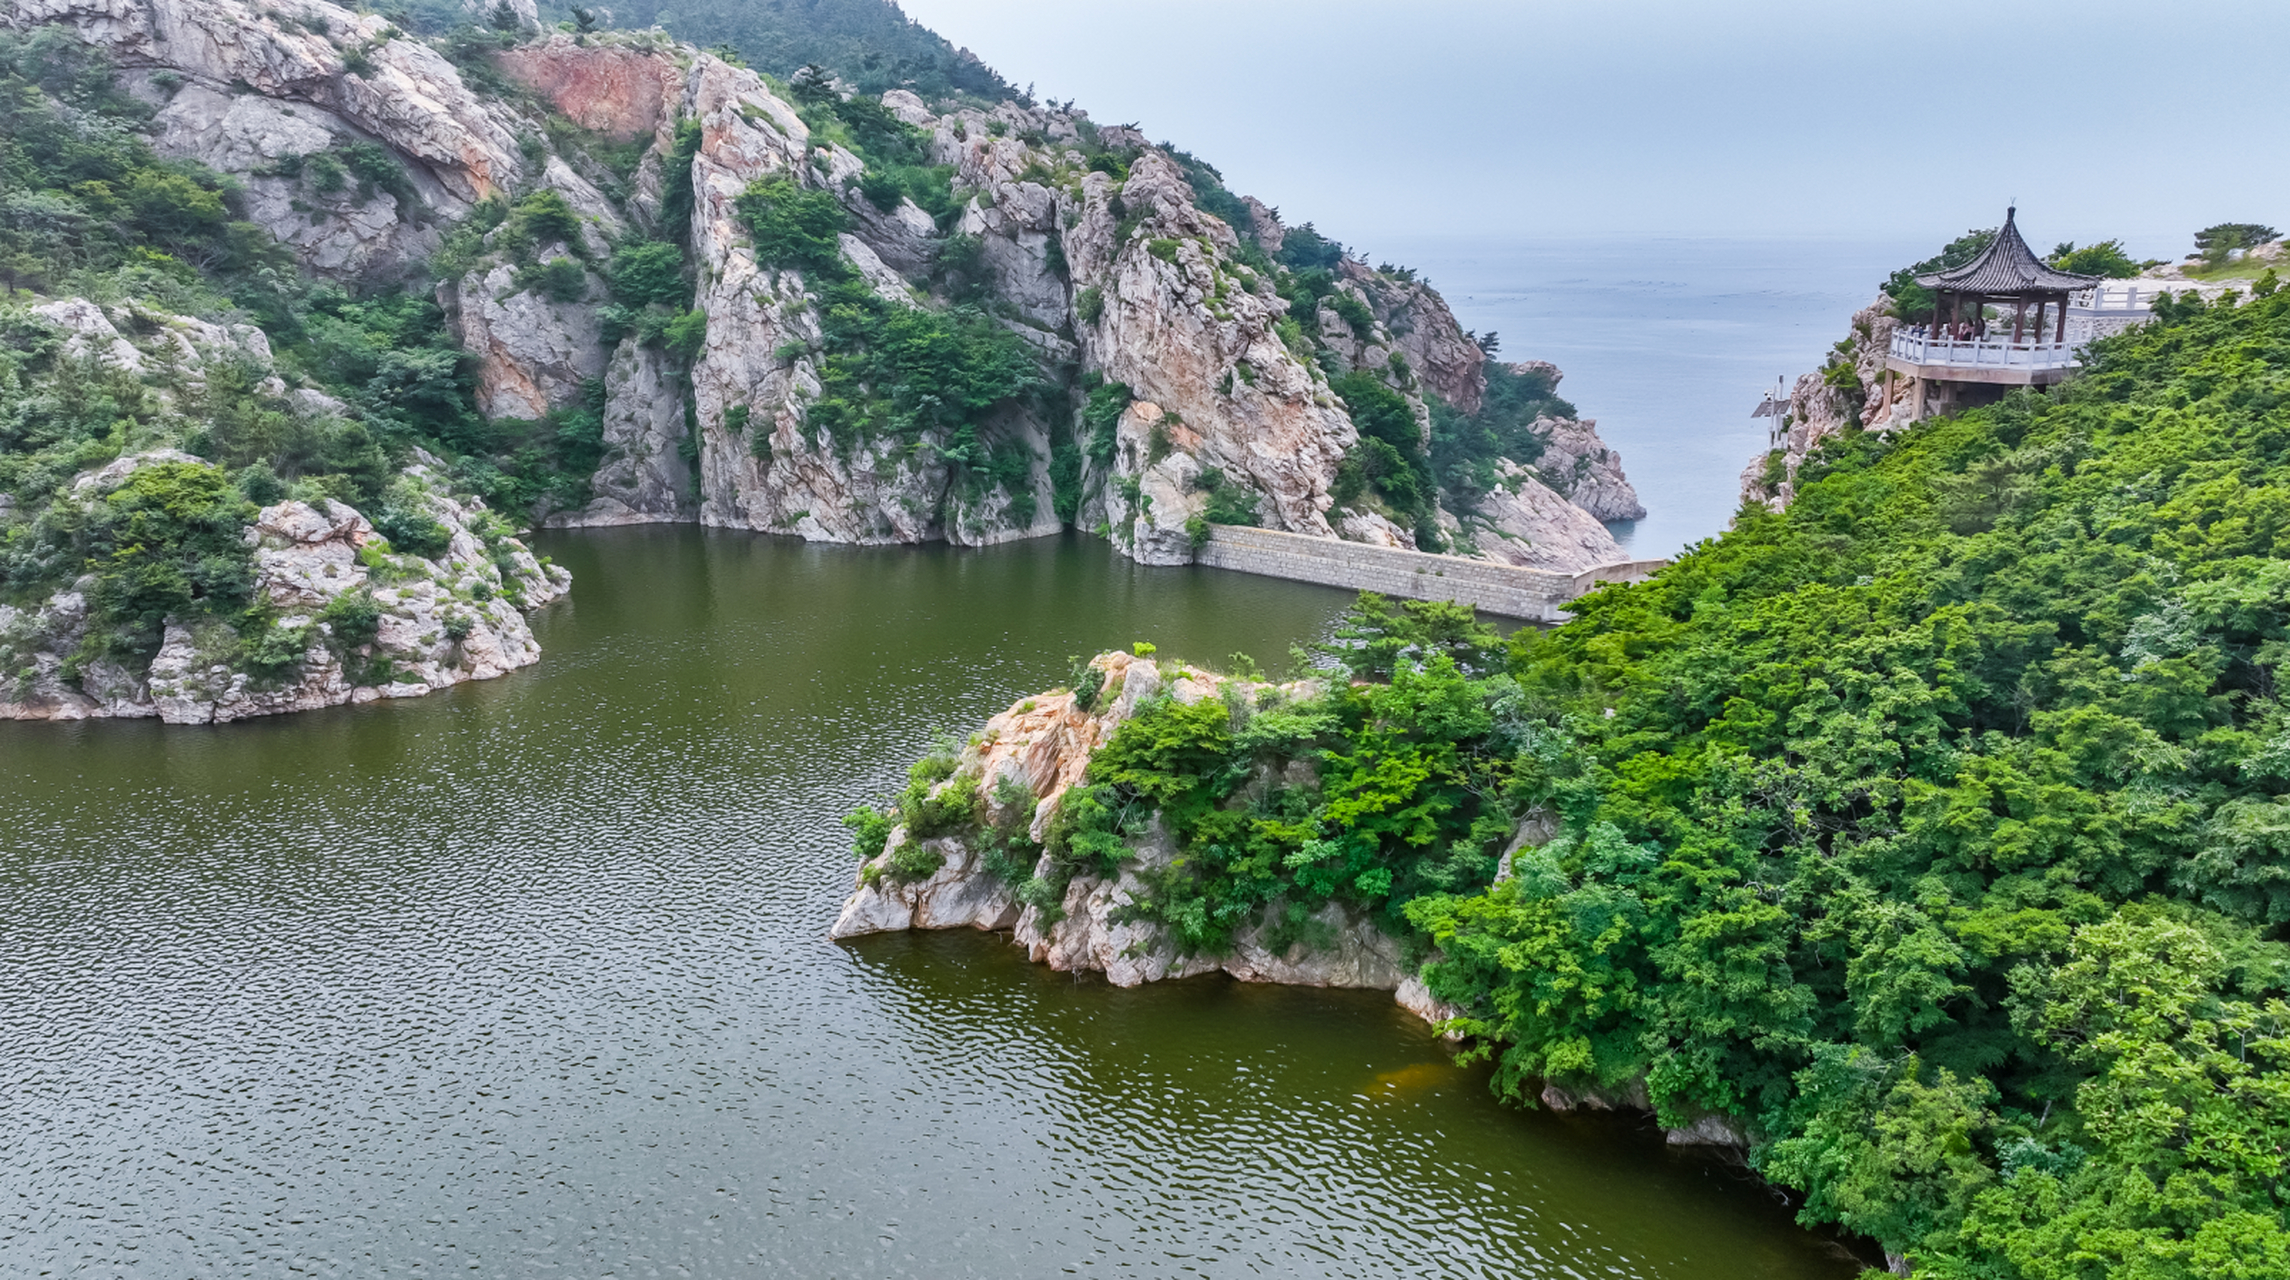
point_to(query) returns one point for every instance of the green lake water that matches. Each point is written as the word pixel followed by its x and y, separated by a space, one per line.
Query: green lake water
pixel 531 977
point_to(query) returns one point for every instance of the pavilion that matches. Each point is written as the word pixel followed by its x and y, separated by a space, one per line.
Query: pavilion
pixel 1959 360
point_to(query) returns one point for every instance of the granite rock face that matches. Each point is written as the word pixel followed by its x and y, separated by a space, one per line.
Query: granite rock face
pixel 644 478
pixel 336 223
pixel 535 353
pixel 459 616
pixel 1853 389
pixel 624 92
pixel 1525 522
pixel 396 90
pixel 361 149
pixel 1581 468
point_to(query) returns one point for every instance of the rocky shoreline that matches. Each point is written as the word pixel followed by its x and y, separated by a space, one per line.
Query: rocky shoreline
pixel 1022 762
pixel 458 614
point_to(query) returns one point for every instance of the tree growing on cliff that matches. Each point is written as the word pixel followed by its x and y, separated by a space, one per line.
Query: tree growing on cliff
pixel 1913 302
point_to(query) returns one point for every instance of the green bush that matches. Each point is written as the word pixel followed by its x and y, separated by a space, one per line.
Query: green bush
pixel 412 532
pixel 1390 451
pixel 352 619
pixel 166 544
pixel 1086 682
pixel 1230 501
pixel 649 272
pixel 870 831
pixel 1354 314
pixel 1089 304
pixel 2105 259
pixel 1912 302
pixel 538 221
pixel 1101 420
pixel 954 807
pixel 912 861
pixel 559 280
pixel 794 228
pixel 1466 448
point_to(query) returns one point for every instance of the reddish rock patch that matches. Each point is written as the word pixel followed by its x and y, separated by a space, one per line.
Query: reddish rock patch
pixel 620 93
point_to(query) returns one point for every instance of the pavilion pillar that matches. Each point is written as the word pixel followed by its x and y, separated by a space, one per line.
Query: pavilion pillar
pixel 2061 336
pixel 2019 318
pixel 2036 330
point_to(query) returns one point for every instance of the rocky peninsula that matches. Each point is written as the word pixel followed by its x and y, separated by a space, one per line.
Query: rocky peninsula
pixel 1012 776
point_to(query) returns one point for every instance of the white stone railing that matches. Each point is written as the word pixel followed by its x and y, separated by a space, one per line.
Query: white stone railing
pixel 1978 353
pixel 2118 297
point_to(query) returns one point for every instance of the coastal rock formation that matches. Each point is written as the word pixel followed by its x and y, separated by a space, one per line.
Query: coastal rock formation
pixel 1584 470
pixel 1852 388
pixel 1195 338
pixel 427 622
pixel 1525 522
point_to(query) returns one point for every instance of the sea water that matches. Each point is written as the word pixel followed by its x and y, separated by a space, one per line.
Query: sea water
pixel 1667 343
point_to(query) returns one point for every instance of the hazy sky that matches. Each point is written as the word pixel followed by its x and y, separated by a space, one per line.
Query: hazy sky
pixel 1382 118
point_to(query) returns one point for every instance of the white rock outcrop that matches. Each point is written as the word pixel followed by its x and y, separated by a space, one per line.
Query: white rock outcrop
pixel 644 478
pixel 1581 468
pixel 535 353
pixel 358 67
pixel 459 616
pixel 1523 522
pixel 337 223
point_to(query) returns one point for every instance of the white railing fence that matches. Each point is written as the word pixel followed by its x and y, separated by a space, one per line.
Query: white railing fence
pixel 2118 297
pixel 1983 353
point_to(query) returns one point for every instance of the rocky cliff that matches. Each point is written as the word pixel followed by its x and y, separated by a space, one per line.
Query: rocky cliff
pixel 341 615
pixel 1851 389
pixel 367 152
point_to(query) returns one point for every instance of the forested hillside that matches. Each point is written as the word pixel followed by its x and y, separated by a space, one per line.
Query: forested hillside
pixel 1930 839
pixel 869 43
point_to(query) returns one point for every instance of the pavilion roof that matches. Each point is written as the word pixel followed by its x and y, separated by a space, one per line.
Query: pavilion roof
pixel 2007 266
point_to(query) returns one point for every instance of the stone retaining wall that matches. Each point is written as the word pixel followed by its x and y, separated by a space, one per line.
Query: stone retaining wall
pixel 1536 595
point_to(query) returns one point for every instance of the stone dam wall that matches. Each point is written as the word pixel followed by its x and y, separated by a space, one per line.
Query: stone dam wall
pixel 1536 595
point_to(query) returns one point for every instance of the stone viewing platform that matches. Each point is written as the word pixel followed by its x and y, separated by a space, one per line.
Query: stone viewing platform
pixel 1536 595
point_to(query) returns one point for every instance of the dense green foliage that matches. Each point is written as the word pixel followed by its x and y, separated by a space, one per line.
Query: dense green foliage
pixel 867 42
pixel 927 378
pixel 87 208
pixel 1932 829
pixel 164 544
pixel 2105 259
pixel 1465 447
pixel 80 189
pixel 1388 461
pixel 2217 241
pixel 1927 826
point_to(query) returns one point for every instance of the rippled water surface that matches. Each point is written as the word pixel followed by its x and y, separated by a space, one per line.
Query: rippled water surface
pixel 531 977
